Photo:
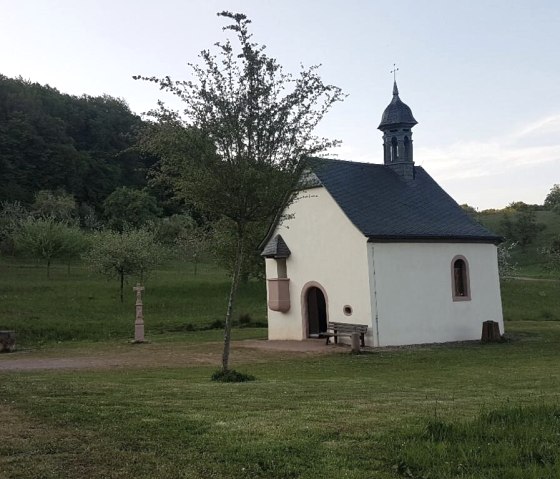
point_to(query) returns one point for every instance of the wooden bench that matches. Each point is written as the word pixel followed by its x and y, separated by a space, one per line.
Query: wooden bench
pixel 334 330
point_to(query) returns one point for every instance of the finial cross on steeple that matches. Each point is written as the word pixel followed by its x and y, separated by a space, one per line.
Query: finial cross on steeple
pixel 394 72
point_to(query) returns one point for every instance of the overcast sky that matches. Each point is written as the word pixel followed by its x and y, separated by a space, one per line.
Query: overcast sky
pixel 482 77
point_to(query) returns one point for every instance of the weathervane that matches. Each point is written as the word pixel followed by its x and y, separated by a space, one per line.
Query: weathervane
pixel 394 72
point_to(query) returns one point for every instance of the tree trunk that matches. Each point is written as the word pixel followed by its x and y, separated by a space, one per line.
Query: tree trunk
pixel 195 264
pixel 122 286
pixel 232 296
pixel 48 269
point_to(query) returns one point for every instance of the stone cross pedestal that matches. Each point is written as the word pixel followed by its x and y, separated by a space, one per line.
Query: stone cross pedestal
pixel 139 323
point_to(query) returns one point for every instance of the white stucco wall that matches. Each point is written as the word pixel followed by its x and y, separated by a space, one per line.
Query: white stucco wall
pixel 328 249
pixel 414 292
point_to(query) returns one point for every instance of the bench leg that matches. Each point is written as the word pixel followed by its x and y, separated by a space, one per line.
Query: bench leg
pixel 328 340
pixel 363 339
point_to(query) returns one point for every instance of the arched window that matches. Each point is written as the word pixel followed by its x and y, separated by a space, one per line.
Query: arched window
pixel 394 149
pixel 460 279
pixel 407 149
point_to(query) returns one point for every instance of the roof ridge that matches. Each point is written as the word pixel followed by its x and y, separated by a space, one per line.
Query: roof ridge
pixel 346 161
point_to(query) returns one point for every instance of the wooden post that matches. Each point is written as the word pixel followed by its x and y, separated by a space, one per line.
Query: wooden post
pixel 139 322
pixel 7 341
pixel 355 342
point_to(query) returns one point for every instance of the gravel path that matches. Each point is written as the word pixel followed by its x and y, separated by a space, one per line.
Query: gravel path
pixel 158 355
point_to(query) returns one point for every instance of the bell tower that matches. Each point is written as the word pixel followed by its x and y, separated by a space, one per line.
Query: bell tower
pixel 396 124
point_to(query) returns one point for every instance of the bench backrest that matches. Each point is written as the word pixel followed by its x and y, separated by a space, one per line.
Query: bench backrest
pixel 348 327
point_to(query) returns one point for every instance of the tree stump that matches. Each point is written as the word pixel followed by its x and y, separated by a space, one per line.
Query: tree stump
pixel 7 341
pixel 490 332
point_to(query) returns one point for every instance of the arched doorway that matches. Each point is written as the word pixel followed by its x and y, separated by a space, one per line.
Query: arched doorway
pixel 316 312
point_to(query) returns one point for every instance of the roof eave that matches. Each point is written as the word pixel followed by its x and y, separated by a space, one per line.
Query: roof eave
pixel 433 239
pixel 383 126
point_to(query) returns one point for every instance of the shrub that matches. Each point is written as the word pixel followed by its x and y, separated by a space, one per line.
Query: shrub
pixel 231 376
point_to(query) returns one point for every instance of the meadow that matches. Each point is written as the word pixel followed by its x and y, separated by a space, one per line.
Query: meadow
pixel 75 304
pixel 448 411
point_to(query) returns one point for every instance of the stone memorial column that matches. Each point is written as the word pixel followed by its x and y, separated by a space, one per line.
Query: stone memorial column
pixel 139 323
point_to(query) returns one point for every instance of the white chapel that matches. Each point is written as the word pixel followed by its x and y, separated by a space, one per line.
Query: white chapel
pixel 381 245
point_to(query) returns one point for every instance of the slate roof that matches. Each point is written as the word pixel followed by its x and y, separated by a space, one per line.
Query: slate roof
pixel 276 248
pixel 384 207
pixel 396 113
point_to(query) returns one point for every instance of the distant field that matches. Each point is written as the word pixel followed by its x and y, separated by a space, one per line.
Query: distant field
pixel 79 305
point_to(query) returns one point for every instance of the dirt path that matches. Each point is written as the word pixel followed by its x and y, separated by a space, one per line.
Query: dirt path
pixel 157 355
pixel 527 278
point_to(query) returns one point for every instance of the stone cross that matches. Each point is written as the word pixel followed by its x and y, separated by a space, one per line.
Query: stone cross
pixel 139 323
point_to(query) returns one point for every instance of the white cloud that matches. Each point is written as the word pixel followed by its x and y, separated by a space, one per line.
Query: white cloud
pixel 473 159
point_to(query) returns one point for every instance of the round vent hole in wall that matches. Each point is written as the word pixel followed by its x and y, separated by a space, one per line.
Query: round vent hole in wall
pixel 347 310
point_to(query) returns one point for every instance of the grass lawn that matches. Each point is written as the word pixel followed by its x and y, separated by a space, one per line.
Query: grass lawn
pixel 329 416
pixel 448 411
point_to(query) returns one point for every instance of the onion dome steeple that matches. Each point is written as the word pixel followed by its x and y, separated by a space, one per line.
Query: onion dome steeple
pixel 396 124
pixel 397 112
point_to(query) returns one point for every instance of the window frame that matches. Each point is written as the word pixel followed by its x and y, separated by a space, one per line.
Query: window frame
pixel 466 279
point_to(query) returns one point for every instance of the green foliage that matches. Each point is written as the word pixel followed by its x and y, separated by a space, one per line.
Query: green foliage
pixel 530 261
pixel 231 376
pixel 506 267
pixel 523 228
pixel 223 244
pixel 48 239
pixel 131 252
pixel 520 206
pixel 552 200
pixel 193 244
pixel 79 144
pixel 11 215
pixel 130 208
pixel 470 210
pixel 552 257
pixel 172 229
pixel 55 204
pixel 248 125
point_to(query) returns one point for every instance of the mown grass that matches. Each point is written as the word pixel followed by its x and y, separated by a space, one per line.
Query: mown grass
pixel 331 416
pixel 511 442
pixel 78 305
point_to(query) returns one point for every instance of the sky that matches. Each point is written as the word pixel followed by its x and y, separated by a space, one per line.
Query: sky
pixel 482 77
